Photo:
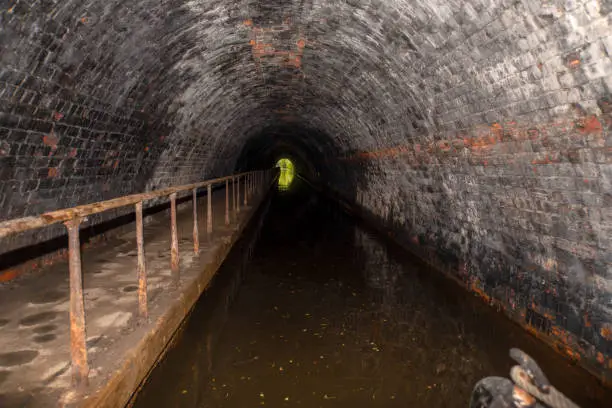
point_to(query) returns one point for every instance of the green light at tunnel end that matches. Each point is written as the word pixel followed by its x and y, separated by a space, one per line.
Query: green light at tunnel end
pixel 287 173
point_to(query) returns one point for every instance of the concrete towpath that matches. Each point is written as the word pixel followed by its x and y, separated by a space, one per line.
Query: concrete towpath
pixel 35 367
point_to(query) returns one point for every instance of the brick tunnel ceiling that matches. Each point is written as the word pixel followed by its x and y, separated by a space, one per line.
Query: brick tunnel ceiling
pixel 181 86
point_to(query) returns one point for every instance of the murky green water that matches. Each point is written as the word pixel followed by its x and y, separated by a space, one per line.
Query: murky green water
pixel 327 315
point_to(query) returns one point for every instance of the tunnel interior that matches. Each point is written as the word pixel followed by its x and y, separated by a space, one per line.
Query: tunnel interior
pixel 475 132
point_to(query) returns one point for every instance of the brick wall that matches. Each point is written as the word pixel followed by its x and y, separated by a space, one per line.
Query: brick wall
pixel 519 214
pixel 79 121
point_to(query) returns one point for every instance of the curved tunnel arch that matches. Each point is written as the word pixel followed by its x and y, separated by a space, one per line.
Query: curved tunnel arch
pixel 369 73
pixel 477 130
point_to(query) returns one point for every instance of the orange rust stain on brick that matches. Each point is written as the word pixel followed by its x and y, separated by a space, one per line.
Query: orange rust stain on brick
pixel 53 172
pixel 489 136
pixel 8 275
pixel 572 354
pixel 497 130
pixel 480 143
pixel 476 289
pixel 295 62
pixel 591 125
pixel 444 145
pixel 261 49
pixel 557 332
pixel 50 140
pixel 606 331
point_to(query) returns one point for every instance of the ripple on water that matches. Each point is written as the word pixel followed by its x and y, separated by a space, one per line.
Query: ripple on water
pixel 38 318
pixel 15 358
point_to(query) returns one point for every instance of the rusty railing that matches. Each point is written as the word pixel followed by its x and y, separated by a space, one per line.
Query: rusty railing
pixel 72 218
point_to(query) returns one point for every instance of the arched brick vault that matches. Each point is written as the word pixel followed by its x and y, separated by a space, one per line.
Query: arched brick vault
pixel 478 130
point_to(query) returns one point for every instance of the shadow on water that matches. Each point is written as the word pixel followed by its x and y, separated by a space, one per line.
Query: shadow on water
pixel 327 314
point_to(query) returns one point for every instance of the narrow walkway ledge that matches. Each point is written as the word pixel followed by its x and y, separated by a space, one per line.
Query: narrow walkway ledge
pixel 122 346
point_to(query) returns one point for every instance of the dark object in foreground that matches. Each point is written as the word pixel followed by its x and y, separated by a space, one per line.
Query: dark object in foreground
pixel 528 388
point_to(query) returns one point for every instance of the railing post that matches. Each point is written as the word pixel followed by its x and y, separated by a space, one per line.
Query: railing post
pixel 209 225
pixel 78 345
pixel 143 311
pixel 196 231
pixel 174 249
pixel 234 196
pixel 238 196
pixel 227 217
pixel 246 191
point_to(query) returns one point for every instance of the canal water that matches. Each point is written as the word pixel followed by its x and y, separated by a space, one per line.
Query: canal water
pixel 326 314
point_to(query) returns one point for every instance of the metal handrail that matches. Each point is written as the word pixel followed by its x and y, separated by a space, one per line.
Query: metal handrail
pixel 253 182
pixel 17 225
